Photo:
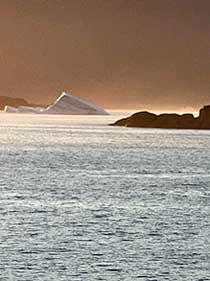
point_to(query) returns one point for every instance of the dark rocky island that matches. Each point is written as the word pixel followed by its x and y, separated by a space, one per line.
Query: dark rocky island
pixel 146 119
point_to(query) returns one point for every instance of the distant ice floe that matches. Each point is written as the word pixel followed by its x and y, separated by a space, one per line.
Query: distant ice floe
pixel 65 104
pixel 22 109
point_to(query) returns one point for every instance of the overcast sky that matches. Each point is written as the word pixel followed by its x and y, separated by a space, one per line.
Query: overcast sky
pixel 116 53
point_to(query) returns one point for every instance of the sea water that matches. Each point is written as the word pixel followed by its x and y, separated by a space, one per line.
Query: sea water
pixel 80 200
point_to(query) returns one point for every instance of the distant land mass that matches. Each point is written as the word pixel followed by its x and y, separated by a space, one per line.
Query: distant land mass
pixel 14 102
pixel 4 100
pixel 146 119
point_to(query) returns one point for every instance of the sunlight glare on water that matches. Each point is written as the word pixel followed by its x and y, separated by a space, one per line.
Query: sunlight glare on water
pixel 81 200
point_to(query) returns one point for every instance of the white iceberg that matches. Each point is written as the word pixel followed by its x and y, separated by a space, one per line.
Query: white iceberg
pixel 22 109
pixel 69 104
pixel 65 104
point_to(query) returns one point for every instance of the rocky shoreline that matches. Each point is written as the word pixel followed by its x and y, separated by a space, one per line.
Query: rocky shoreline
pixel 146 119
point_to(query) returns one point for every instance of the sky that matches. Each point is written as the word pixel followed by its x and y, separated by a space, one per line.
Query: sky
pixel 151 54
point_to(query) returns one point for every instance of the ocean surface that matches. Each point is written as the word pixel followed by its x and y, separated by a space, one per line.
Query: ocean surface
pixel 80 200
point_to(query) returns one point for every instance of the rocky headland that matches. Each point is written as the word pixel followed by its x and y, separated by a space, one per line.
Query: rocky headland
pixel 146 119
pixel 4 101
pixel 15 102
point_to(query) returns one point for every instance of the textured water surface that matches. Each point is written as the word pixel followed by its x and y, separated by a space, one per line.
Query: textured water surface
pixel 80 200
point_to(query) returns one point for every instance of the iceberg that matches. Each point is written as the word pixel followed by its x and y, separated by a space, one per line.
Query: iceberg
pixel 69 104
pixel 22 109
pixel 65 104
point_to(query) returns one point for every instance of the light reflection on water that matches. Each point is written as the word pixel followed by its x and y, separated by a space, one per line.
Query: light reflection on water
pixel 84 201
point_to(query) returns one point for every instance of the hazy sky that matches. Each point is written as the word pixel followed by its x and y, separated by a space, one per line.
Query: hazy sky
pixel 116 53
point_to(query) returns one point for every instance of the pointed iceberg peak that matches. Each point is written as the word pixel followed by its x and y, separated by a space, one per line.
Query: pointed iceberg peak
pixel 68 104
pixel 64 94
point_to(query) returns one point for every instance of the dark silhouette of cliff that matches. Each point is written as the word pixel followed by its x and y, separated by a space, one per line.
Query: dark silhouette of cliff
pixel 14 102
pixel 146 119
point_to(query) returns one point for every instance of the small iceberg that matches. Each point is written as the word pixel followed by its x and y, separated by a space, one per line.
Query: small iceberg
pixel 22 109
pixel 65 104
